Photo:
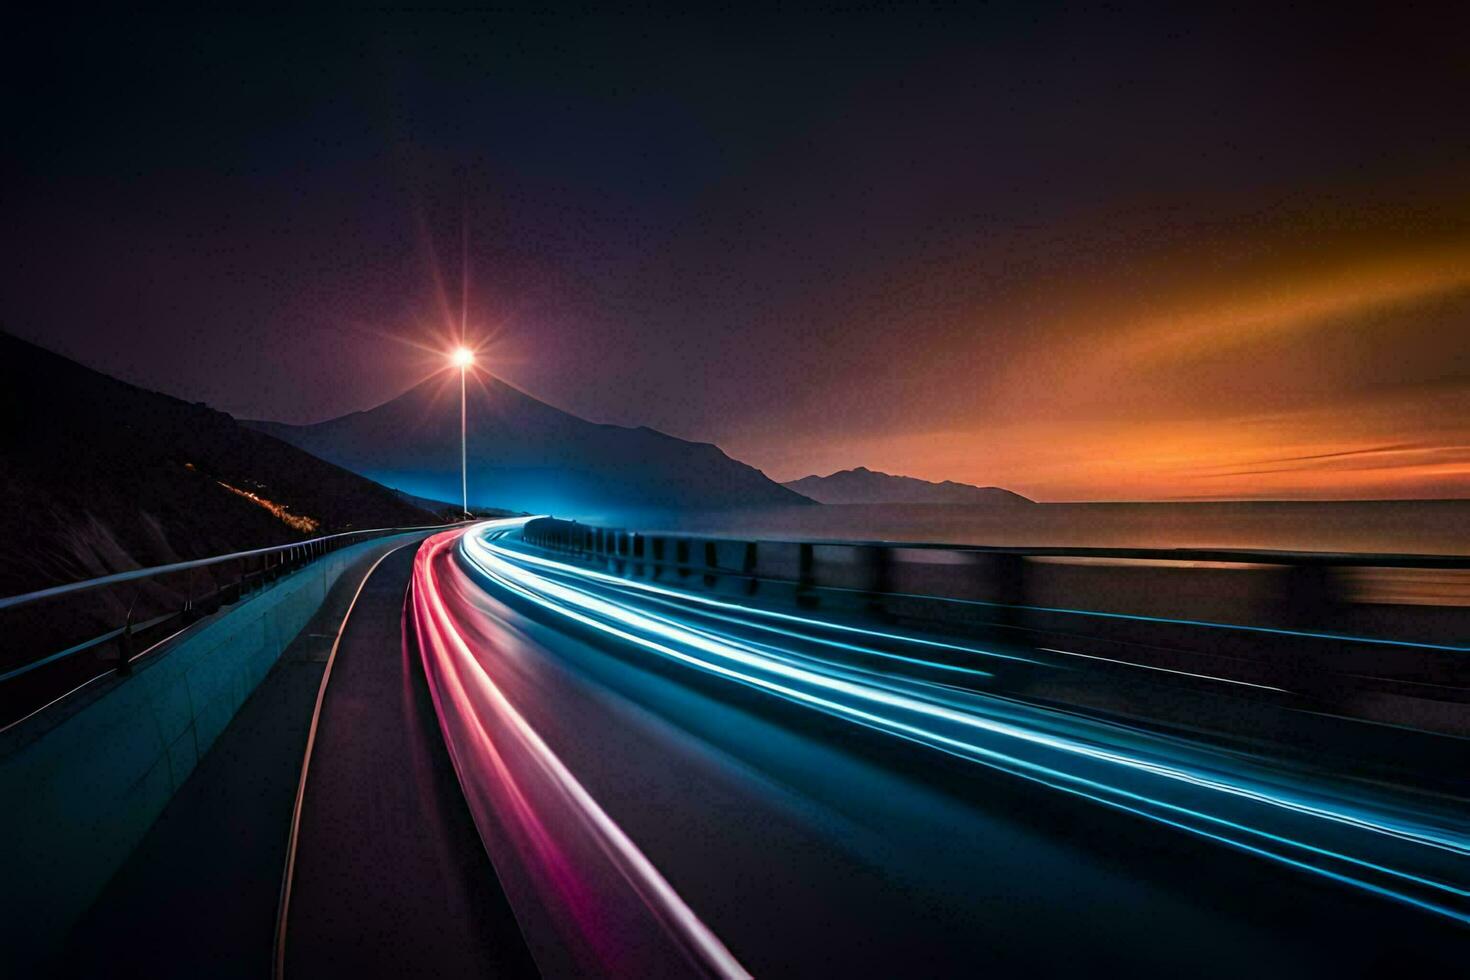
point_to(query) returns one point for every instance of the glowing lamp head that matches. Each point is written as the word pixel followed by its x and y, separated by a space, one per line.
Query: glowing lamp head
pixel 462 357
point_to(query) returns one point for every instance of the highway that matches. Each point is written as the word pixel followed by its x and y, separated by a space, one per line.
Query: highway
pixel 673 783
pixel 383 873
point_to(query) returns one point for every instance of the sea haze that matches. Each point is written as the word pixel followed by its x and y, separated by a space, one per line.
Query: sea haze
pixel 1394 526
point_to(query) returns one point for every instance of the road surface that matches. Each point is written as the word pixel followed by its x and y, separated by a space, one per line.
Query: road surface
pixel 671 784
pixel 386 874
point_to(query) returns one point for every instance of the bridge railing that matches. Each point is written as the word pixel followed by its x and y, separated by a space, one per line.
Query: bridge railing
pixel 1378 632
pixel 57 640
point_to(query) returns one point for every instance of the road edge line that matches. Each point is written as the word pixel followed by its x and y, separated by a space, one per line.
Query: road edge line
pixel 283 903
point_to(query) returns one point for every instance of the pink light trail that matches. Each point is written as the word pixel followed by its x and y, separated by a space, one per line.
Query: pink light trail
pixel 587 898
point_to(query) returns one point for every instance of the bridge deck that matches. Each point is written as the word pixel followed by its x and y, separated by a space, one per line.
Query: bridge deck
pixel 390 875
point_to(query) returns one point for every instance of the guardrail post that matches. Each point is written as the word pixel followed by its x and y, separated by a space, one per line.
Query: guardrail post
pixel 748 566
pixel 188 612
pixel 805 576
pixel 1311 595
pixel 125 647
pixel 711 563
pixel 1009 572
pixel 880 561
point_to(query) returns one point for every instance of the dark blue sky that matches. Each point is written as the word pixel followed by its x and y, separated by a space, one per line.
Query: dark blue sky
pixel 890 238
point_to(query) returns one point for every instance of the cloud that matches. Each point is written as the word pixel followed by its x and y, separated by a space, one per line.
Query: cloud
pixel 1341 295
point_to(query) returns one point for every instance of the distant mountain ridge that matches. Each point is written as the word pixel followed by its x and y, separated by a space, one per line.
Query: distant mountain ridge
pixel 527 455
pixel 865 486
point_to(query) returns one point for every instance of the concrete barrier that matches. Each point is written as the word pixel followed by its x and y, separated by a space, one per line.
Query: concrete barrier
pixel 81 786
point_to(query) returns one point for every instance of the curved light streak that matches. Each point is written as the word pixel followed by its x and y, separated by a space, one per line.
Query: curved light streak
pixel 510 774
pixel 1365 844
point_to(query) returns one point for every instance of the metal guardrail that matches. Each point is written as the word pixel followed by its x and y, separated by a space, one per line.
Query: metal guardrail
pixel 705 553
pixel 59 639
pixel 610 540
pixel 1324 626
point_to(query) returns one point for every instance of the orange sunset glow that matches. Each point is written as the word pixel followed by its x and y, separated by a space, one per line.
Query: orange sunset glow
pixel 1339 379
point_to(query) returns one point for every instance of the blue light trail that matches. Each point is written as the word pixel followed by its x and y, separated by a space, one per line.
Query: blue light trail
pixel 1391 846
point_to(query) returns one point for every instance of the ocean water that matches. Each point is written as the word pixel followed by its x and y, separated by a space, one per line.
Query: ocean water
pixel 1439 527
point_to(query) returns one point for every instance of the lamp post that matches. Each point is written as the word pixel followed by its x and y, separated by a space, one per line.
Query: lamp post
pixel 463 357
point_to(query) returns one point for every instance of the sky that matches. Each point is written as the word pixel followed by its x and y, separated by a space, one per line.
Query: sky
pixel 1082 254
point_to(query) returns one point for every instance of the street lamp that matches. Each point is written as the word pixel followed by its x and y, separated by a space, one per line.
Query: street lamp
pixel 462 358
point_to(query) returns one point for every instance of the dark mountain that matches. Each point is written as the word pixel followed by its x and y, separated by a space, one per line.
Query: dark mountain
pixel 865 486
pixel 97 476
pixel 527 455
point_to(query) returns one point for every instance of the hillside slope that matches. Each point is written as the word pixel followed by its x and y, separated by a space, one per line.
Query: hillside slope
pixel 97 475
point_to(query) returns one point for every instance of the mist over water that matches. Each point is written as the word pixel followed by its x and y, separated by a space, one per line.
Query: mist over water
pixel 1398 527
